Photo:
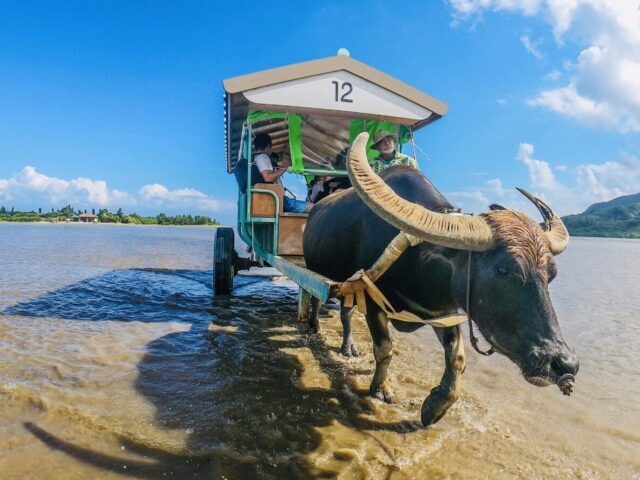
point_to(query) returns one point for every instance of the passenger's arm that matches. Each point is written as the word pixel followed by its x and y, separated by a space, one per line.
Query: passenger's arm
pixel 272 176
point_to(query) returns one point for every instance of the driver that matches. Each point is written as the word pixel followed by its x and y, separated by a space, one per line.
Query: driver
pixel 385 142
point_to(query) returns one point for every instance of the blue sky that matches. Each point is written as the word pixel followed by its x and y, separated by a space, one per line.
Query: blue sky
pixel 119 104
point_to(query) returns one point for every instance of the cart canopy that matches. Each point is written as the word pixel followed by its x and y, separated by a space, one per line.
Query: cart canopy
pixel 313 110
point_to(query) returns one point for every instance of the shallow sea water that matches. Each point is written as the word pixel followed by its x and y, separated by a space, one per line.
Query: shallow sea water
pixel 116 363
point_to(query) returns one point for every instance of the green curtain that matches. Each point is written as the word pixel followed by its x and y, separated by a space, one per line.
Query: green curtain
pixel 295 133
pixel 295 142
pixel 356 126
pixel 260 115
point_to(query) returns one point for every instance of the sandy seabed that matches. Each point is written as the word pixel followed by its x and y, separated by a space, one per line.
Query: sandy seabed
pixel 118 365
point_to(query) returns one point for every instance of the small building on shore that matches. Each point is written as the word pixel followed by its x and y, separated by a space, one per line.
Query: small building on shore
pixel 87 218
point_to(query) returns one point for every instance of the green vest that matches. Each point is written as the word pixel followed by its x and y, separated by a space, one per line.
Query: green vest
pixel 379 164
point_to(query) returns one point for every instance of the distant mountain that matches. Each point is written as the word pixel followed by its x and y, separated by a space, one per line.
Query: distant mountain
pixel 616 202
pixel 619 217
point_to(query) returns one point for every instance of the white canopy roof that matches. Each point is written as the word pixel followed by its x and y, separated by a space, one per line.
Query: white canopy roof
pixel 331 88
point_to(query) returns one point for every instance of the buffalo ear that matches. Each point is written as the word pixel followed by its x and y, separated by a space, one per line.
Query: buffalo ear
pixel 495 206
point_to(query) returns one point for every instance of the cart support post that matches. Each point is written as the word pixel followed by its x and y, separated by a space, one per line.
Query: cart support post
pixel 304 305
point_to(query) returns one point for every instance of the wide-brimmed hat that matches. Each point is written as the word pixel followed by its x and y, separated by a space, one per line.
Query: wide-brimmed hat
pixel 381 135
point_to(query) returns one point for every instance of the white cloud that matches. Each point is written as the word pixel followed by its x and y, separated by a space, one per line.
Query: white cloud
pixel 4 190
pixel 604 85
pixel 590 183
pixel 161 196
pixel 469 201
pixel 568 65
pixel 540 174
pixel 532 47
pixel 505 100
pixel 610 179
pixel 553 75
pixel 32 189
pixel 29 183
pixel 30 180
pixel 467 8
pixel 98 193
pixel 495 185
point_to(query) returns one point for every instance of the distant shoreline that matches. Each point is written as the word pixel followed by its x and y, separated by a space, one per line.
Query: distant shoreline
pixel 67 215
pixel 604 236
pixel 109 224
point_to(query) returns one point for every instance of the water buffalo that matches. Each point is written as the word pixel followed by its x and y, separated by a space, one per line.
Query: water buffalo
pixel 505 285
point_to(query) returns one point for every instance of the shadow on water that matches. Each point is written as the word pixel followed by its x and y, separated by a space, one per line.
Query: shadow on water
pixel 230 382
pixel 141 295
pixel 179 465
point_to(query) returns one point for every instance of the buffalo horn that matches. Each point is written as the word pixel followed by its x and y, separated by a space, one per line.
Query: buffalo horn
pixel 461 232
pixel 555 231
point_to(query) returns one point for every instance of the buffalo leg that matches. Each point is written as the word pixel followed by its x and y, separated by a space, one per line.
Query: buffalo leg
pixel 446 394
pixel 382 352
pixel 314 323
pixel 348 348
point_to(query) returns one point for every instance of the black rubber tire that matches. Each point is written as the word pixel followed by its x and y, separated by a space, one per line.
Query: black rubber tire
pixel 223 255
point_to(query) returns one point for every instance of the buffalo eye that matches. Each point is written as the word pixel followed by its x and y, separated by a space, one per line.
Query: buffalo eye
pixel 502 270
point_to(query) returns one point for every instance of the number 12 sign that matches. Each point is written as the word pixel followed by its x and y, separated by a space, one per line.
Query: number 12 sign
pixel 337 91
pixel 342 91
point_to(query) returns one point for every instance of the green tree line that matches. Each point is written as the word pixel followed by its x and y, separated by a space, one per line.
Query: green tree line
pixel 104 216
pixel 620 221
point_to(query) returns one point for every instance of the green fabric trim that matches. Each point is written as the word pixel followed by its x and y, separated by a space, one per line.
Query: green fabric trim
pixel 295 142
pixel 295 133
pixel 260 115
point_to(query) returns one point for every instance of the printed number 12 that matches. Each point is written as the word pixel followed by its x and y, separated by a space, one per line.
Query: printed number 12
pixel 346 88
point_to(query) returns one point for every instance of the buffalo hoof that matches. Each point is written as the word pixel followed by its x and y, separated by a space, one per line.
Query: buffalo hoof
pixel 383 393
pixel 435 406
pixel 349 349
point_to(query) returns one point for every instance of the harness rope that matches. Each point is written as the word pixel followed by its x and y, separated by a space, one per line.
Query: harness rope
pixel 362 282
pixel 472 337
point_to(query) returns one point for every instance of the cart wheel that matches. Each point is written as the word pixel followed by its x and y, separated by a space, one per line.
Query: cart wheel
pixel 223 265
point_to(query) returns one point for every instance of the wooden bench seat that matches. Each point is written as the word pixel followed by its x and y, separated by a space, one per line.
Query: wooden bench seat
pixel 263 205
pixel 291 225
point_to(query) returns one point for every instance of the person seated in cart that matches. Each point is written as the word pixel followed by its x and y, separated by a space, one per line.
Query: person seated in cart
pixel 324 185
pixel 271 174
pixel 385 142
